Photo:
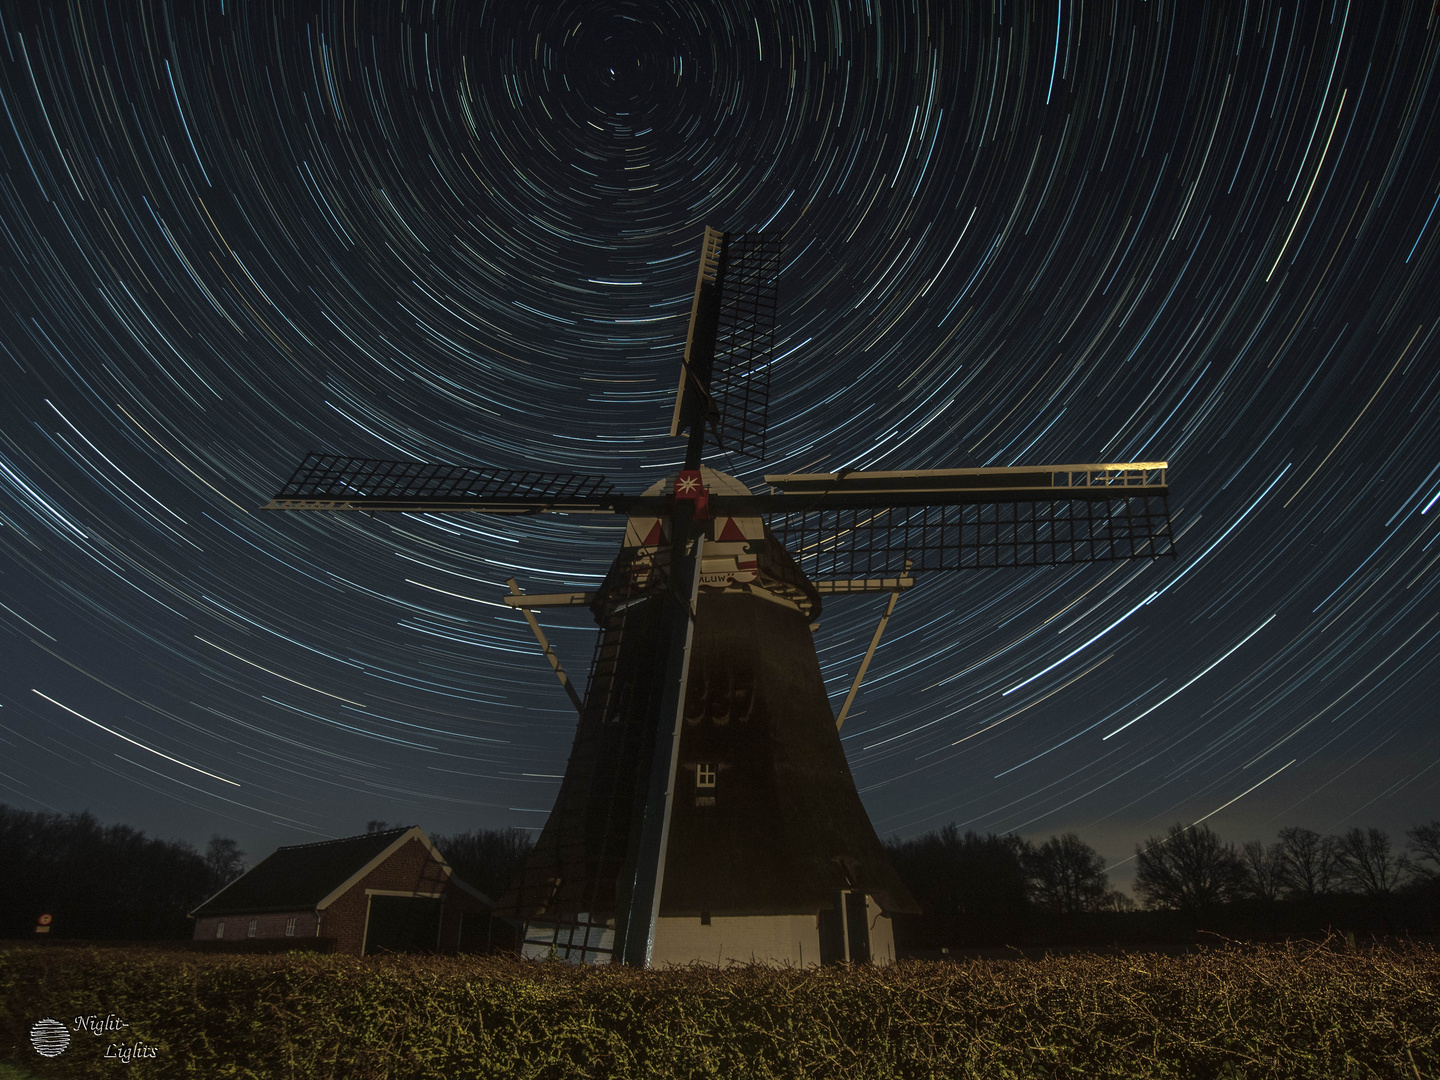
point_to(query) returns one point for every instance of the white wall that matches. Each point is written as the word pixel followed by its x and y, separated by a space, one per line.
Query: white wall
pixel 769 939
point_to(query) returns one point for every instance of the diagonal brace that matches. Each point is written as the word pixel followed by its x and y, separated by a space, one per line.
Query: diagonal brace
pixel 869 655
pixel 548 650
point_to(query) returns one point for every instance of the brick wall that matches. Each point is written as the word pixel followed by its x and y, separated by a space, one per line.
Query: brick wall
pixel 344 920
pixel 269 925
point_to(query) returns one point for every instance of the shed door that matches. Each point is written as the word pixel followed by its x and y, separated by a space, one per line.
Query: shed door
pixel 832 932
pixel 857 927
pixel 403 924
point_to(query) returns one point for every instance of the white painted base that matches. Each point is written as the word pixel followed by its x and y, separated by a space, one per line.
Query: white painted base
pixel 742 939
pixel 780 940
pixel 766 939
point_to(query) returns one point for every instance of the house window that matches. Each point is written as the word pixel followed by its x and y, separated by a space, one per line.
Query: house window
pixel 290 926
pixel 254 924
pixel 220 930
pixel 705 775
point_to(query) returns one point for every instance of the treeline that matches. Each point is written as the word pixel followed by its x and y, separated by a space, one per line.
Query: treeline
pixel 986 891
pixel 489 859
pixel 103 882
pixel 114 883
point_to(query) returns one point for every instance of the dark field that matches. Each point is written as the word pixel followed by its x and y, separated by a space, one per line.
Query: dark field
pixel 1325 1010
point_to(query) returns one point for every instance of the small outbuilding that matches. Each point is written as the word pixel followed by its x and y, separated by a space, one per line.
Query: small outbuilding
pixel 386 891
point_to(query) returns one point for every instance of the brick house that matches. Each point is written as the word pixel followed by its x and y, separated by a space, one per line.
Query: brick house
pixel 382 892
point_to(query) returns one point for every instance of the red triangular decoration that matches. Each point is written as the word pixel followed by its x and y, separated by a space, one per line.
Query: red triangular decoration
pixel 731 533
pixel 655 537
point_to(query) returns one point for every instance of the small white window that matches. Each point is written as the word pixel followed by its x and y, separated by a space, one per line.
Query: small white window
pixel 290 926
pixel 705 775
pixel 220 930
pixel 254 925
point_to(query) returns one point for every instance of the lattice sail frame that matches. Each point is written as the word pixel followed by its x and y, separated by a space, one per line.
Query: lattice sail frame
pixel 331 482
pixel 975 519
pixel 745 340
pixel 861 543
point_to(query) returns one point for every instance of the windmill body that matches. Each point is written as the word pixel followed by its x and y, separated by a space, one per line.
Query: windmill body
pixel 707 812
pixel 770 854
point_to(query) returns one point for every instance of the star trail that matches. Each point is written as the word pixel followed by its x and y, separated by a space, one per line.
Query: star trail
pixel 234 233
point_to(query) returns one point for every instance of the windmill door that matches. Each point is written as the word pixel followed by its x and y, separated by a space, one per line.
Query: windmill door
pixel 857 928
pixel 831 924
pixel 845 930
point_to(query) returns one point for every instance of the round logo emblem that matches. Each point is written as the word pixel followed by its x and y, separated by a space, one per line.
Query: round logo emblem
pixel 46 920
pixel 49 1037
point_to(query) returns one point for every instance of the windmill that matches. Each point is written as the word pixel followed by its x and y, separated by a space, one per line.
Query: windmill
pixel 707 803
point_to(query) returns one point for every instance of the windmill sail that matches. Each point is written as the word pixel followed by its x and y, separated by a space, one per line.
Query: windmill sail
pixel 725 376
pixel 745 342
pixel 858 525
pixel 854 543
pixel 330 482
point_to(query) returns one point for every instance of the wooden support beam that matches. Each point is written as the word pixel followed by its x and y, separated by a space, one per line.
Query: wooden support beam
pixel 865 664
pixel 545 645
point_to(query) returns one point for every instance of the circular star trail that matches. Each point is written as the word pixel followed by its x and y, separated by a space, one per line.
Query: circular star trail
pixel 234 233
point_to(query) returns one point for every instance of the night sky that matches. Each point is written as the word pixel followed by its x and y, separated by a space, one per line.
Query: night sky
pixel 232 233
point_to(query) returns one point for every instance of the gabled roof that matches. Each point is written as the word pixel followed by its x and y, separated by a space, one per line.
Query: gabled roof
pixel 308 876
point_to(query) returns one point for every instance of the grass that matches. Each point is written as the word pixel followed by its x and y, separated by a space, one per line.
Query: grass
pixel 1297 1011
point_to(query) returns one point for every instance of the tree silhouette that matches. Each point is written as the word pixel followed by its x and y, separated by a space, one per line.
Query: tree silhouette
pixel 1368 865
pixel 1422 857
pixel 1117 901
pixel 225 860
pixel 973 888
pixel 1189 869
pixel 1067 877
pixel 1264 866
pixel 1311 862
pixel 488 859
